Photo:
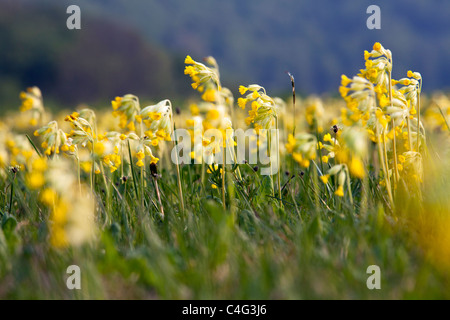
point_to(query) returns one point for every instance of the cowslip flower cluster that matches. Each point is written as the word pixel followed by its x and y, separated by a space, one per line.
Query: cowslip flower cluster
pixel 154 121
pixel 15 150
pixel 54 139
pixel 340 171
pixel 32 102
pixel 264 111
pixel 302 147
pixel 158 122
pixel 389 111
pixel 71 221
pixel 127 109
pixel 314 114
pixel 203 77
pixel 211 115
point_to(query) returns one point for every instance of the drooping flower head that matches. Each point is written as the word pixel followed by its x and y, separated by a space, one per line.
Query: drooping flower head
pixel 32 101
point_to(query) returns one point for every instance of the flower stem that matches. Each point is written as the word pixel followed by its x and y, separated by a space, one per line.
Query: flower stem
pixel 177 165
pixel 223 179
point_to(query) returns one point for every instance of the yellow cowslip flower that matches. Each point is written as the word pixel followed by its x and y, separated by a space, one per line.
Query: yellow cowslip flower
pixel 340 191
pixel 319 145
pixel 153 159
pixel 190 122
pixel 369 64
pixel 72 117
pixel 209 95
pixel 327 137
pixel 189 60
pixel 242 102
pixel 131 126
pixel 214 167
pixel 58 238
pixel 59 213
pixel 140 155
pixel 384 101
pixel 116 103
pixel 372 73
pixel 140 163
pixel 324 159
pixel 343 91
pixel 161 134
pixel 195 85
pixel 48 197
pixel 35 180
pixel 255 94
pixel 39 164
pixel 115 158
pixel 305 163
pixel 404 81
pixel 190 70
pixel 297 157
pixel 99 148
pixel 195 111
pixel 242 90
pixel 345 81
pixel 357 168
pixel 27 104
pixel 382 119
pixel 212 115
pixel 155 116
pixel 86 166
pixel 377 46
pixel 325 178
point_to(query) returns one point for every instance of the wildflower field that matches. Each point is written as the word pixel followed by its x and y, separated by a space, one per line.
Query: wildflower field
pixel 161 201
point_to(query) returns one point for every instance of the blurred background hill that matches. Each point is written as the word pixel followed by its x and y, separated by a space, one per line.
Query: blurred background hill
pixel 135 46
